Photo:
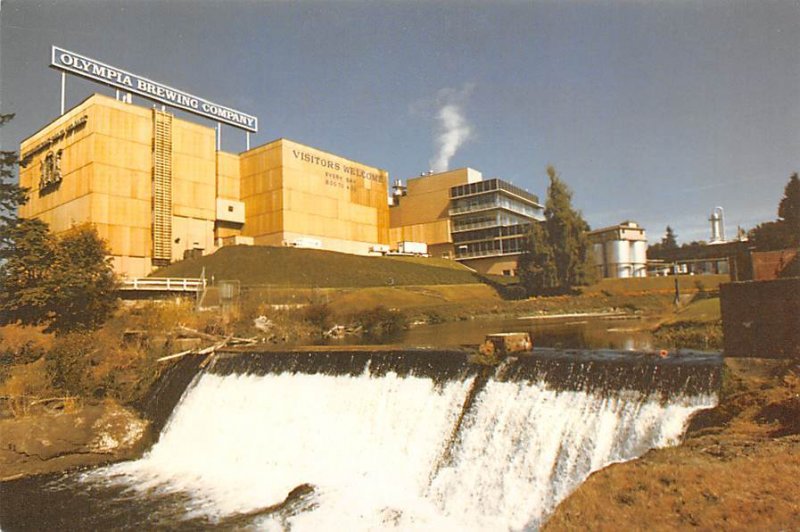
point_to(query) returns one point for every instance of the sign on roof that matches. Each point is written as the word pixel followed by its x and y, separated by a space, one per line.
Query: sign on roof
pixel 83 66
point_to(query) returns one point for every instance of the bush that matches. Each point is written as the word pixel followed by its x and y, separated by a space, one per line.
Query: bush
pixel 68 363
pixel 380 322
pixel 320 315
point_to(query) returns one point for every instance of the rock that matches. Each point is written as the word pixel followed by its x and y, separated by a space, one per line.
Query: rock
pixel 84 435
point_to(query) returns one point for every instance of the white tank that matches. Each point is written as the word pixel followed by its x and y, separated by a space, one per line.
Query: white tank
pixel 618 251
pixel 618 254
pixel 639 258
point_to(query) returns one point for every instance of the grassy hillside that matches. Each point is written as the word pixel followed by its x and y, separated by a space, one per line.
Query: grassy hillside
pixel 262 265
pixel 687 283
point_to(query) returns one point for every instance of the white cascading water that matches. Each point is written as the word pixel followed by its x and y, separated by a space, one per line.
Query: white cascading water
pixel 373 448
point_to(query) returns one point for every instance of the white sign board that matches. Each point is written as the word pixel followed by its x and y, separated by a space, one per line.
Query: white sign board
pixel 115 77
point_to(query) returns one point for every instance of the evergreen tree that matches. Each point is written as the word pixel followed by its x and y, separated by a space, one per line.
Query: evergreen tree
pixel 567 234
pixel 11 194
pixel 785 231
pixel 789 210
pixel 26 289
pixel 669 241
pixel 558 257
pixel 536 266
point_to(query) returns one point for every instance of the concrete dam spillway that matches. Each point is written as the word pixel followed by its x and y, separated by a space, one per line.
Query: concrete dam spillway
pixel 386 439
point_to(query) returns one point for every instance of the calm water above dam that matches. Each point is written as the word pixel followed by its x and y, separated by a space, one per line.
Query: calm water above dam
pixel 579 332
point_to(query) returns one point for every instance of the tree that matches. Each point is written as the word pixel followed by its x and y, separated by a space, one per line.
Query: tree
pixel 26 273
pixel 669 242
pixel 785 231
pixel 789 209
pixel 537 269
pixel 567 235
pixel 565 260
pixel 11 194
pixel 67 283
pixel 84 284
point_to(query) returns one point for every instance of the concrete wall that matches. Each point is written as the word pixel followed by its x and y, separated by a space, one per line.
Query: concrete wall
pixel 761 318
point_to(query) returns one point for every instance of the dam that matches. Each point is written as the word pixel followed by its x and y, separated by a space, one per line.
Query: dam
pixel 384 438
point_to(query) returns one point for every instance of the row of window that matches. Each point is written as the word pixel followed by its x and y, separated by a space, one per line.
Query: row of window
pixel 494 201
pixel 491 247
pixel 489 185
pixel 491 219
pixel 488 234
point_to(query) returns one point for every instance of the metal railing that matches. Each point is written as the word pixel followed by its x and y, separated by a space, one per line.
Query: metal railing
pixel 164 284
pixel 487 253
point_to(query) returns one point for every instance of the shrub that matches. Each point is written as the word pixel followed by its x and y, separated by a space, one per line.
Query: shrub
pixel 380 322
pixel 320 315
pixel 68 363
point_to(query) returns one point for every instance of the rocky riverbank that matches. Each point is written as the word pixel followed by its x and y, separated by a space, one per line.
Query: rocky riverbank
pixel 738 469
pixel 62 435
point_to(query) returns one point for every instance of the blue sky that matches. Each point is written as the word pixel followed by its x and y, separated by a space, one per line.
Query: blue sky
pixel 651 111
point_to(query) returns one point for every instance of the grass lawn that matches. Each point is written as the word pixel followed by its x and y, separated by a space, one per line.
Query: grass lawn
pixel 263 265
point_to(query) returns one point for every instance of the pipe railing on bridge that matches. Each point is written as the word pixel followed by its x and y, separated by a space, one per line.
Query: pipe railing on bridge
pixel 164 284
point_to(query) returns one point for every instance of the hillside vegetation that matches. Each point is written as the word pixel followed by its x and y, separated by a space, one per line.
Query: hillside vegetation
pixel 263 265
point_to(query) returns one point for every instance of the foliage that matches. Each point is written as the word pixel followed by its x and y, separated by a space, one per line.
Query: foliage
pixel 558 257
pixel 68 363
pixel 536 267
pixel 380 322
pixel 320 315
pixel 66 283
pixel 785 231
pixel 84 290
pixel 11 194
pixel 668 243
pixel 690 335
pixel 26 293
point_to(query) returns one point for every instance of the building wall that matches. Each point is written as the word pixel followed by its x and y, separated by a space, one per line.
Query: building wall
pixel 293 192
pixel 275 194
pixel 194 188
pixel 506 265
pixel 106 177
pixel 107 180
pixel 423 213
pixel 620 251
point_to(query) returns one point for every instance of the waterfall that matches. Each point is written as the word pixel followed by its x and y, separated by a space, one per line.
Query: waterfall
pixel 390 440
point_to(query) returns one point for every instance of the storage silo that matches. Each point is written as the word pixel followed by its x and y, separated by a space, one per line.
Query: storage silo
pixel 618 253
pixel 639 258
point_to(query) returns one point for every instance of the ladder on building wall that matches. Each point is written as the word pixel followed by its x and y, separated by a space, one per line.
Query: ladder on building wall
pixel 162 188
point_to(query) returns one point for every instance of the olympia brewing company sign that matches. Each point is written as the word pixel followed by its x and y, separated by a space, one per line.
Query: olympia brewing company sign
pixel 116 77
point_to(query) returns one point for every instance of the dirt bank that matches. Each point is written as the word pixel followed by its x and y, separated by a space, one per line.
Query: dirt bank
pixel 738 469
pixel 62 436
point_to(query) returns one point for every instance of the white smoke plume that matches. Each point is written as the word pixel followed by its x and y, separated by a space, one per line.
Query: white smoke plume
pixel 452 129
